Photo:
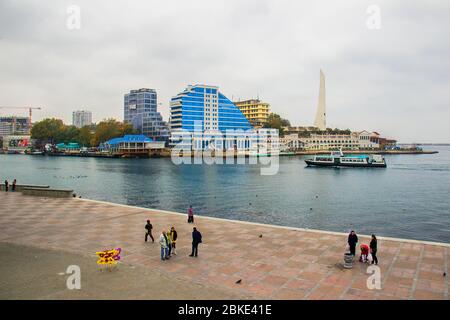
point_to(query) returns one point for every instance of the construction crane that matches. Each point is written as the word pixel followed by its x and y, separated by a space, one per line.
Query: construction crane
pixel 30 114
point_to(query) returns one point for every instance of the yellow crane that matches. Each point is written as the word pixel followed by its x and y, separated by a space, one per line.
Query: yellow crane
pixel 30 113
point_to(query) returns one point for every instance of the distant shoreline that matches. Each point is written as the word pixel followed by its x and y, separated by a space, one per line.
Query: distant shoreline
pixel 293 153
pixel 426 144
pixel 311 152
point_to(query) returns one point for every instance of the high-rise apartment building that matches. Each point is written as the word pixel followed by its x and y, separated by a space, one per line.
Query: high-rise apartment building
pixel 201 111
pixel 140 109
pixel 11 125
pixel 81 118
pixel 206 104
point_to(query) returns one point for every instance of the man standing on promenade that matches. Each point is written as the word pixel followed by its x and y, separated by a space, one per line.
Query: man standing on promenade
pixel 148 228
pixel 352 241
pixel 164 246
pixel 196 239
pixel 174 237
pixel 373 249
pixel 14 185
pixel 169 242
pixel 190 215
pixel 6 185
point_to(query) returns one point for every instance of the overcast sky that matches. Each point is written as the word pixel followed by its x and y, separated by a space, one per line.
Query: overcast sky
pixel 394 80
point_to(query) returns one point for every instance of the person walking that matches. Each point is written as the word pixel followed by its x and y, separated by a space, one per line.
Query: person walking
pixel 174 236
pixel 190 215
pixel 352 241
pixel 6 185
pixel 196 240
pixel 14 185
pixel 373 249
pixel 164 246
pixel 148 231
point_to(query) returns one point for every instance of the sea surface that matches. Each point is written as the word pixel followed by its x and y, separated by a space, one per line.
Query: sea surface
pixel 409 199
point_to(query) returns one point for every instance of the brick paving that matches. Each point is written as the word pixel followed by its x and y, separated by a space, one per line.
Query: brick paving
pixel 285 263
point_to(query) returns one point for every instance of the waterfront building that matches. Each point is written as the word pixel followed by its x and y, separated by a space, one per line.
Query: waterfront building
pixel 368 140
pixel 81 118
pixel 16 143
pixel 71 148
pixel 255 111
pixel 140 109
pixel 386 144
pixel 320 120
pixel 265 141
pixel 363 140
pixel 131 145
pixel 291 142
pixel 200 118
pixel 331 142
pixel 13 125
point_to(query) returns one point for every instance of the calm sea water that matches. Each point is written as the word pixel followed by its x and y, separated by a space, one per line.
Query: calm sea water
pixel 409 199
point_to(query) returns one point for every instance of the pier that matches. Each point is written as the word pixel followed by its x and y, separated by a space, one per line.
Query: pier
pixel 45 235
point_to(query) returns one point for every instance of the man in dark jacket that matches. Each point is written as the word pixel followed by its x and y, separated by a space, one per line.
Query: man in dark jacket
pixel 352 241
pixel 148 228
pixel 373 249
pixel 196 239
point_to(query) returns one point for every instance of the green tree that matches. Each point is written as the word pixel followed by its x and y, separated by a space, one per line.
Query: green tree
pixel 110 128
pixel 127 128
pixel 55 131
pixel 70 134
pixel 276 122
pixel 85 136
pixel 48 131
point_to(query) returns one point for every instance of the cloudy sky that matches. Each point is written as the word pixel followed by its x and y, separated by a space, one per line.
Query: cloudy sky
pixel 394 79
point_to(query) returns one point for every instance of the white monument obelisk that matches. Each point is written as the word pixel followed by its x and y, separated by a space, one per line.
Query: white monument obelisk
pixel 321 121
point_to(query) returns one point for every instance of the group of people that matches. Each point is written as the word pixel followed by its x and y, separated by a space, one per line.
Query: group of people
pixel 372 247
pixel 168 239
pixel 13 186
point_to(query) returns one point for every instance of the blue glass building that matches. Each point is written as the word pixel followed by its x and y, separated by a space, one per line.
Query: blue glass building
pixel 202 111
pixel 208 105
pixel 140 109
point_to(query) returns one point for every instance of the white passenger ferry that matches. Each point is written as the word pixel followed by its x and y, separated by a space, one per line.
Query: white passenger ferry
pixel 338 159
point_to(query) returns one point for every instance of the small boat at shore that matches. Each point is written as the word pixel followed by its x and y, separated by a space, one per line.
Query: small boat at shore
pixel 338 159
pixel 35 153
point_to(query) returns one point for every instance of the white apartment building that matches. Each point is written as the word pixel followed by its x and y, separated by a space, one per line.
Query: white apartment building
pixel 81 118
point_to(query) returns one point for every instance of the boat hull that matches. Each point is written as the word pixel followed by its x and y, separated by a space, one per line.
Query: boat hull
pixel 312 163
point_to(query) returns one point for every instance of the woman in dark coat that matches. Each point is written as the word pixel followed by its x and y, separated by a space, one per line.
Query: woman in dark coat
pixel 373 249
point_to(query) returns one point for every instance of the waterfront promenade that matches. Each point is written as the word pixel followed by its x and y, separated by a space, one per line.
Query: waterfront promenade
pixel 272 262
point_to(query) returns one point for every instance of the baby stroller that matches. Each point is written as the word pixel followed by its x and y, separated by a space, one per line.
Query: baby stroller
pixel 364 253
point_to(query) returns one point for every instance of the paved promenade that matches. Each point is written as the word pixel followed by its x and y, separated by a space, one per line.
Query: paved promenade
pixel 282 264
